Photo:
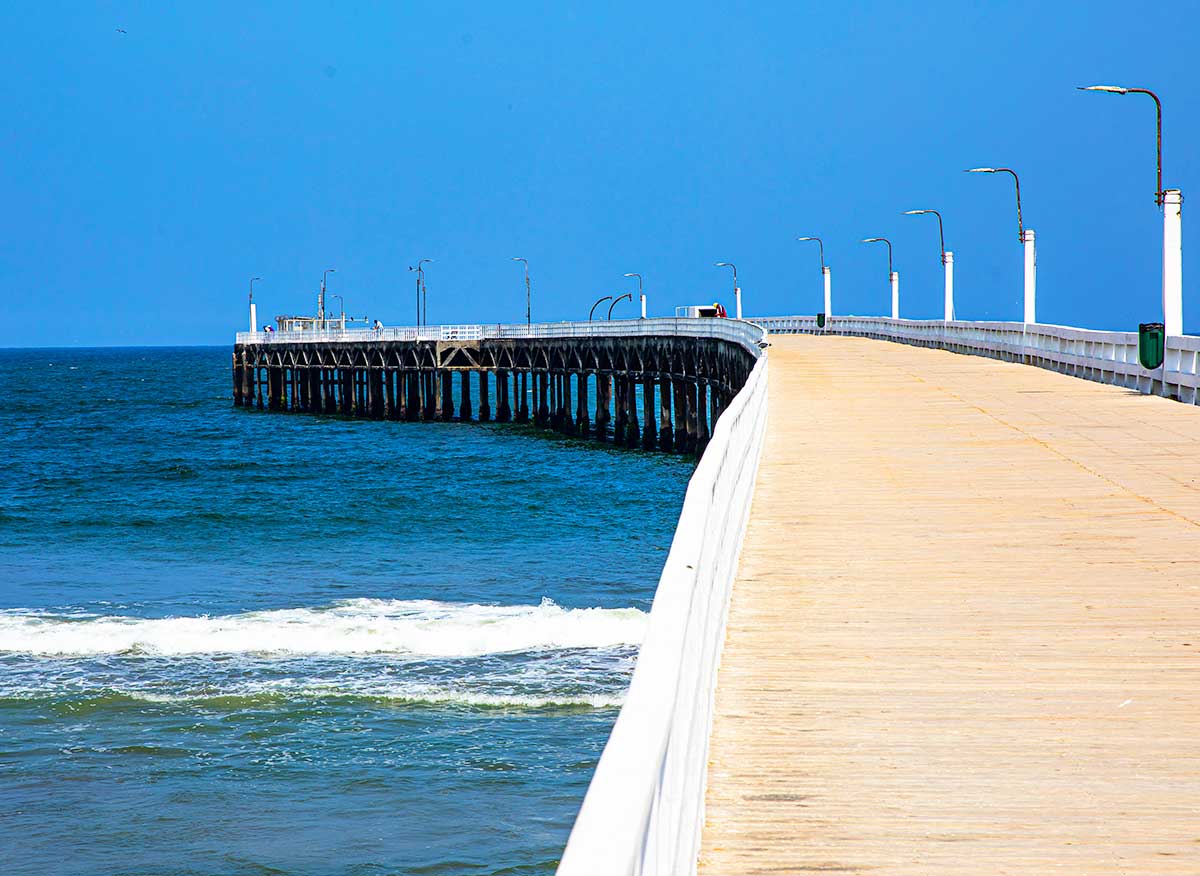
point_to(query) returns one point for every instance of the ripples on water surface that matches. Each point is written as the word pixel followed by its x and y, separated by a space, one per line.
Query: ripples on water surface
pixel 234 642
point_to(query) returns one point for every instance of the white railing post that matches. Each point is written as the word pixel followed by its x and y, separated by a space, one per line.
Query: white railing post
pixel 828 296
pixel 1172 274
pixel 1030 277
pixel 895 278
pixel 948 263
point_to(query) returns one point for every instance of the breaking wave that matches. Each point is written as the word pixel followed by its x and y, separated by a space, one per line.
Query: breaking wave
pixel 357 626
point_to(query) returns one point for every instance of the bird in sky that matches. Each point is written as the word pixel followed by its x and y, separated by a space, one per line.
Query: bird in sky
pixel 122 30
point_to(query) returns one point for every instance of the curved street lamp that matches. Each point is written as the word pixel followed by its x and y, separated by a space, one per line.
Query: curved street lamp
pixel 947 264
pixel 824 275
pixel 821 248
pixel 641 294
pixel 1017 180
pixel 1171 200
pixel 617 301
pixel 599 301
pixel 1117 89
pixel 1026 236
pixel 737 292
pixel 893 277
pixel 527 308
pixel 342 309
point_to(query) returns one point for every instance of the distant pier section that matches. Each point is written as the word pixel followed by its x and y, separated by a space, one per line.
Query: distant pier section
pixel 649 383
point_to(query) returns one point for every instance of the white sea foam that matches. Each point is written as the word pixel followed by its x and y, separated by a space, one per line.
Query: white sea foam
pixel 289 691
pixel 356 626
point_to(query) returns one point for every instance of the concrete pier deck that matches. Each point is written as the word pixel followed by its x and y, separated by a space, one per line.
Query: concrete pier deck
pixel 965 635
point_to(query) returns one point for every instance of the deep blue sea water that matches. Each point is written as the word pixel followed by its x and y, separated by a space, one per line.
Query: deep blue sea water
pixel 235 642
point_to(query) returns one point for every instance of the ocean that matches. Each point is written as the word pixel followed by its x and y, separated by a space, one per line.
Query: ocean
pixel 236 642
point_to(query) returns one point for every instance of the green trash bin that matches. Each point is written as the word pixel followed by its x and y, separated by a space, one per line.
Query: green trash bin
pixel 1152 338
pixel 820 320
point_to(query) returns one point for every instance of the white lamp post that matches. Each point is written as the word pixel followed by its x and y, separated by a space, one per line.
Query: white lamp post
pixel 641 294
pixel 824 275
pixel 1171 200
pixel 893 277
pixel 1026 236
pixel 947 265
pixel 737 291
pixel 253 306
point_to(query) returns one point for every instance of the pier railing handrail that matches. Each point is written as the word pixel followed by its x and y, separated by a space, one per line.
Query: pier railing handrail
pixel 738 331
pixel 644 808
pixel 1103 356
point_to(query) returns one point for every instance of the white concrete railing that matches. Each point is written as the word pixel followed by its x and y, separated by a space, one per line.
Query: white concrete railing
pixel 728 329
pixel 644 809
pixel 1106 357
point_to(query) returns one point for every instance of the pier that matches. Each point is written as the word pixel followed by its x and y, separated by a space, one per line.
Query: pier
pixel 653 383
pixel 959 634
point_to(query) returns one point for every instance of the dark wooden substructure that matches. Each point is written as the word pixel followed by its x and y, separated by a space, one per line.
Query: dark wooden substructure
pixel 651 392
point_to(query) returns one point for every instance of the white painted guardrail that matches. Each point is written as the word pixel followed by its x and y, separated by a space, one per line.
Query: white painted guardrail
pixel 1106 357
pixel 644 809
pixel 734 330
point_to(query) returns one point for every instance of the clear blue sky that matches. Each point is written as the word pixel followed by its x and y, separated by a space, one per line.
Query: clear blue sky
pixel 147 175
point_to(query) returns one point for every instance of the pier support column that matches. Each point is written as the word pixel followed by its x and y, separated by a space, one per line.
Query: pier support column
pixel 412 391
pixel 665 431
pixel 620 408
pixel 247 385
pixel 446 395
pixel 523 398
pixel 395 388
pixel 555 399
pixel 275 388
pixel 464 401
pixel 566 421
pixel 632 431
pixel 543 405
pixel 581 403
pixel 300 399
pixel 603 391
pixel 701 417
pixel 649 414
pixel 485 407
pixel 681 415
pixel 428 396
pixel 693 432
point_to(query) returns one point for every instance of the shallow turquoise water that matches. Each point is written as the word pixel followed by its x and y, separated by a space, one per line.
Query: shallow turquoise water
pixel 241 642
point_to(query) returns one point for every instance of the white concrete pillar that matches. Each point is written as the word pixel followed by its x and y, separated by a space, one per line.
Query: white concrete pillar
pixel 828 298
pixel 895 278
pixel 737 300
pixel 1172 274
pixel 948 263
pixel 643 307
pixel 1030 277
pixel 253 317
